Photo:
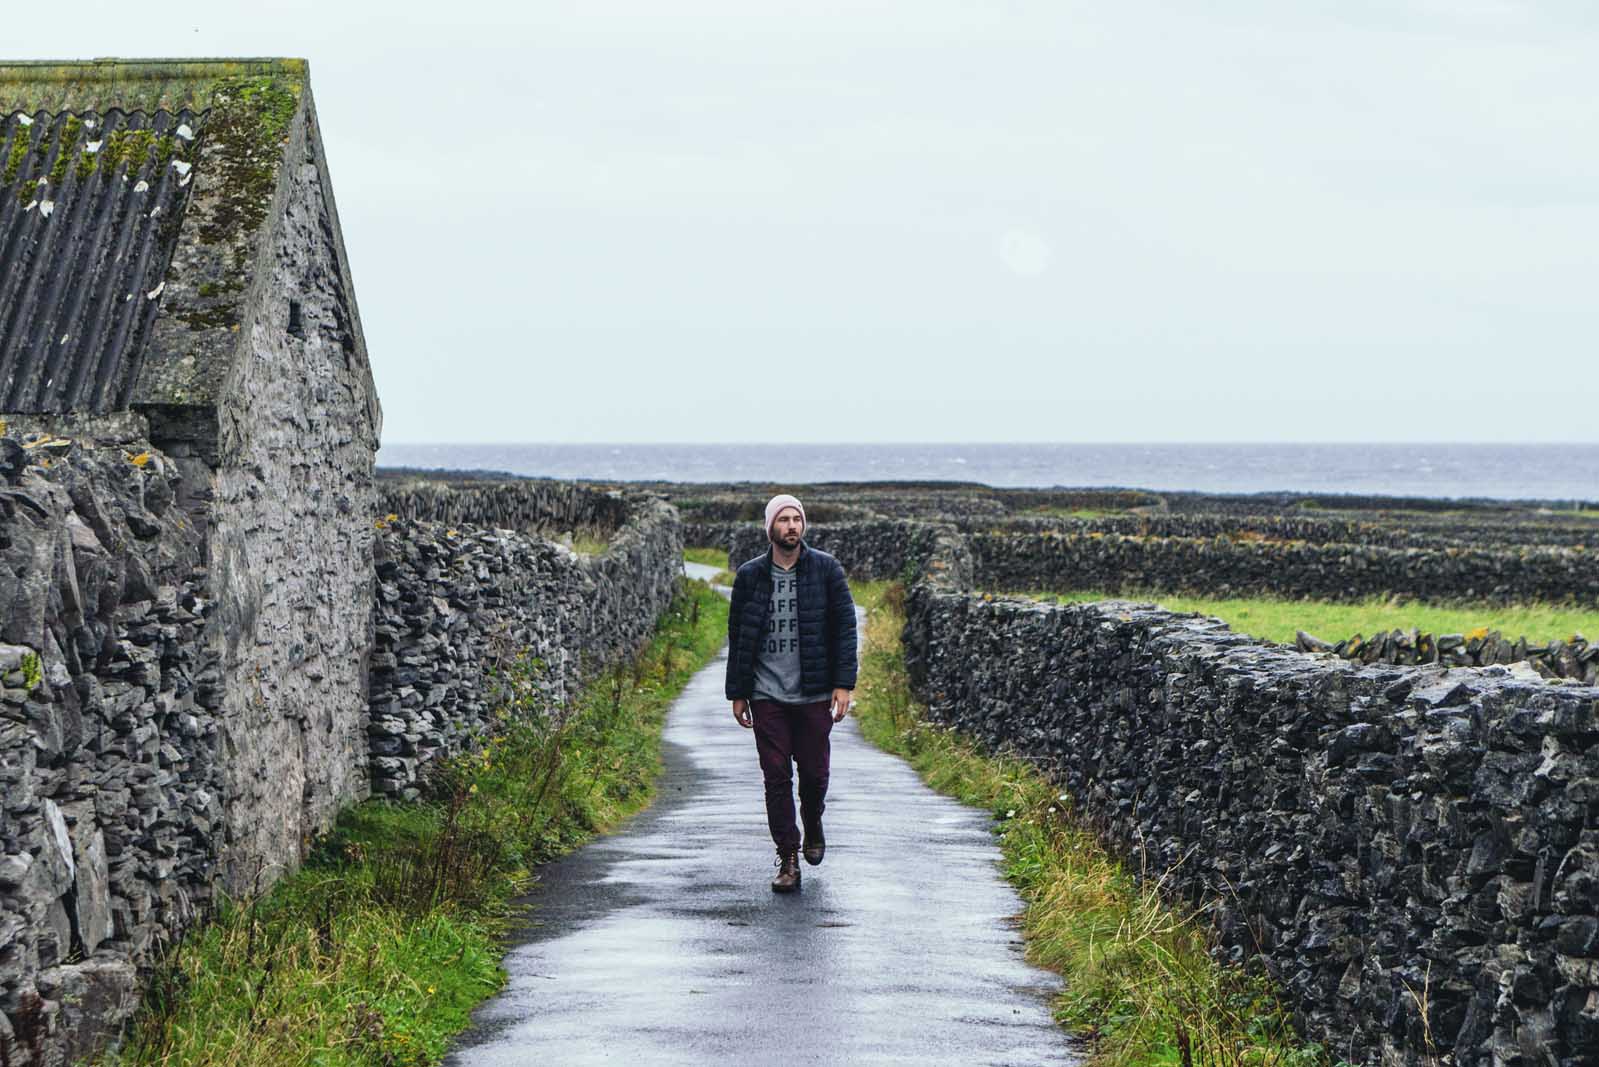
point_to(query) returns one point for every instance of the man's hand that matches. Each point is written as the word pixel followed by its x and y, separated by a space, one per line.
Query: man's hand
pixel 741 712
pixel 842 700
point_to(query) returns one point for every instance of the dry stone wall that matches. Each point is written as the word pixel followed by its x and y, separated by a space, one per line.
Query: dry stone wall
pixel 111 763
pixel 1429 533
pixel 530 506
pixel 711 534
pixel 456 603
pixel 1235 551
pixel 869 550
pixel 1377 836
pixel 1269 503
pixel 1575 658
pixel 745 536
pixel 1222 566
pixel 1386 522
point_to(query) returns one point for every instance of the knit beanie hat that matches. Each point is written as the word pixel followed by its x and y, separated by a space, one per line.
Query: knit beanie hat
pixel 778 503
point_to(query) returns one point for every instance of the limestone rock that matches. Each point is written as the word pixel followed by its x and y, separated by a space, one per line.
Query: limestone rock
pixel 101 996
pixel 94 886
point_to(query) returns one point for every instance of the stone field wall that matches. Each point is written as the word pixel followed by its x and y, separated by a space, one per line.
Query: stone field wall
pixel 456 603
pixel 1372 834
pixel 1418 531
pixel 1214 555
pixel 111 762
pixel 1446 509
pixel 1391 522
pixel 1576 658
pixel 525 506
pixel 717 534
pixel 744 539
pixel 1114 563
pixel 869 550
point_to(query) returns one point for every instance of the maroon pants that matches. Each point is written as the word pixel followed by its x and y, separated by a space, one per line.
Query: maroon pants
pixel 796 733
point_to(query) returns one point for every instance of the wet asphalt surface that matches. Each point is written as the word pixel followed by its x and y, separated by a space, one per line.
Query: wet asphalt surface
pixel 663 943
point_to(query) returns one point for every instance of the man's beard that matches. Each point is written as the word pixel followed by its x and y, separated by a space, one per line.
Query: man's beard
pixel 788 540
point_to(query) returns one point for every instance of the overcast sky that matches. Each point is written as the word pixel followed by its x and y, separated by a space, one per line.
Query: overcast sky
pixel 1227 220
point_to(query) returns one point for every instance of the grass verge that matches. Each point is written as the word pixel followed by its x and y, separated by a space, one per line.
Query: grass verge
pixel 376 950
pixel 1140 983
pixel 711 557
pixel 1277 620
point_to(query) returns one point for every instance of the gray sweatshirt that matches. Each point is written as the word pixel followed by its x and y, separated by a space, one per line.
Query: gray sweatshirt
pixel 777 661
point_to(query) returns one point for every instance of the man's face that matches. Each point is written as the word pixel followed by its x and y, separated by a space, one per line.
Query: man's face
pixel 787 527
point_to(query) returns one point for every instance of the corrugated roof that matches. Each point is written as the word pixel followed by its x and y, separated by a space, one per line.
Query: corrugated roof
pixel 64 341
pixel 90 210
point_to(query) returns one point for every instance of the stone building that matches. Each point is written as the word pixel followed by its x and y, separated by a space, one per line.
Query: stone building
pixel 190 431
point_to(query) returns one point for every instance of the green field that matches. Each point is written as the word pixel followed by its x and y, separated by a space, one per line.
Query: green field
pixel 711 557
pixel 1277 620
pixel 376 950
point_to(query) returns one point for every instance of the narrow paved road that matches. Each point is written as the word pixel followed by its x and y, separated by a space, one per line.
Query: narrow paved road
pixel 662 944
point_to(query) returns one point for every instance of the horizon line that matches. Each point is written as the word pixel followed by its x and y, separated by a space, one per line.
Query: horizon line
pixel 840 444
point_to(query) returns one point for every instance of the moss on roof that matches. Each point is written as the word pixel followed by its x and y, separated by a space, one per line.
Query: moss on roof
pixel 242 114
pixel 250 118
pixel 135 84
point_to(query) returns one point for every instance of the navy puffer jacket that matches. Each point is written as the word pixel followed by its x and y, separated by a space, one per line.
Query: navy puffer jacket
pixel 826 623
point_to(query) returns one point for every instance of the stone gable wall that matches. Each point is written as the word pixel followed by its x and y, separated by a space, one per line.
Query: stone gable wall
pixel 290 547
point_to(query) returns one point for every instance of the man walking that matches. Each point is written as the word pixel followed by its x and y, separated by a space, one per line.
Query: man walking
pixel 790 669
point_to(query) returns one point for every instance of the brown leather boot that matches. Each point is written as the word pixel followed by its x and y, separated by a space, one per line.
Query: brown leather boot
pixel 788 872
pixel 815 848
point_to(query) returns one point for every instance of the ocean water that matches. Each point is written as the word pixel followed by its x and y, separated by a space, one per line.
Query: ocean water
pixel 1506 472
